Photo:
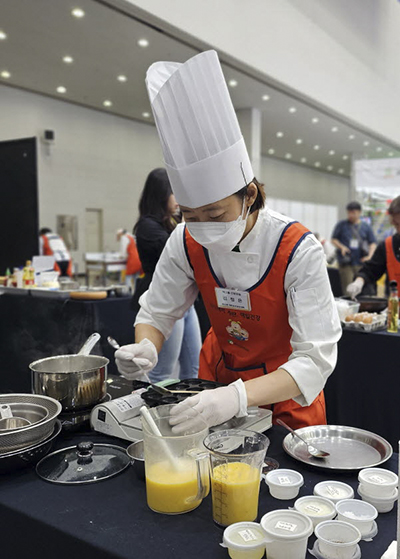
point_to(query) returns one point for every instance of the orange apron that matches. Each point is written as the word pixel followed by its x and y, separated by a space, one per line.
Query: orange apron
pixel 248 344
pixel 133 264
pixel 392 264
pixel 48 251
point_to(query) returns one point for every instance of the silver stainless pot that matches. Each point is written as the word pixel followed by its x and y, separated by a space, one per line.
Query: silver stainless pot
pixel 76 381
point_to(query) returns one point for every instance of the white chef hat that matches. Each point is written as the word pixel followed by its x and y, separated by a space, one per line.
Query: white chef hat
pixel 204 151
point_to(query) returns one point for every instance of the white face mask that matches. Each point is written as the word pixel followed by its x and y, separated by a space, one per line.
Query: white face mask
pixel 219 236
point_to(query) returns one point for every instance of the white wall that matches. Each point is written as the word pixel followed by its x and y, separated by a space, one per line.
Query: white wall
pixel 344 54
pixel 97 160
pixel 315 198
pixel 101 161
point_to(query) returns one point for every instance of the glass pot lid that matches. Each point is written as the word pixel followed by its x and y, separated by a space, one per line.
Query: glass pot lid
pixel 84 463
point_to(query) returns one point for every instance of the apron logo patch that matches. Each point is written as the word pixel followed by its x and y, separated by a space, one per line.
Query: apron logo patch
pixel 236 331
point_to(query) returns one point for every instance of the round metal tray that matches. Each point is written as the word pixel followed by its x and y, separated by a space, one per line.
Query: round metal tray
pixel 350 448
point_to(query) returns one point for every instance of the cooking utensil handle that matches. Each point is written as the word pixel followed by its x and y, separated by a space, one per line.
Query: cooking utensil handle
pixel 280 422
pixel 89 344
pixel 5 411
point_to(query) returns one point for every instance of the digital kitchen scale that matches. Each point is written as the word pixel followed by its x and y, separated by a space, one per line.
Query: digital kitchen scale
pixel 121 418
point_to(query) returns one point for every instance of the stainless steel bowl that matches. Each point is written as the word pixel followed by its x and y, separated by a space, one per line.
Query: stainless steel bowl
pixel 32 413
pixel 31 434
pixel 76 381
pixel 135 451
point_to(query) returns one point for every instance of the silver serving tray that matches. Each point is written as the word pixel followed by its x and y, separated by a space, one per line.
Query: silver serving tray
pixel 350 448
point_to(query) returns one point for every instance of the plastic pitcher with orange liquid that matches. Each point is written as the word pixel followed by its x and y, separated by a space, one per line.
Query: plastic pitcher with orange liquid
pixel 236 458
pixel 176 466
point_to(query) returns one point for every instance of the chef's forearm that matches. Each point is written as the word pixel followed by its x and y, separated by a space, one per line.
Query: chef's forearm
pixel 147 331
pixel 269 389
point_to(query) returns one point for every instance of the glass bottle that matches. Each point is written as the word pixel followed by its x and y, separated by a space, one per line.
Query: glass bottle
pixel 393 308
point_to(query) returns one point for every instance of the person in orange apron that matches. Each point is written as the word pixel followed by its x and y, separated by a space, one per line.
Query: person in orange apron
pixel 51 244
pixel 386 258
pixel 130 251
pixel 262 276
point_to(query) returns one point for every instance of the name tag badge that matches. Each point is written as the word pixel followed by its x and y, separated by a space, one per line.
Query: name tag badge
pixel 232 299
pixel 354 243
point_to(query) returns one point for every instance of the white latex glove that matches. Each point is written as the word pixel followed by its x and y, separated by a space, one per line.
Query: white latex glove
pixel 355 288
pixel 211 407
pixel 136 360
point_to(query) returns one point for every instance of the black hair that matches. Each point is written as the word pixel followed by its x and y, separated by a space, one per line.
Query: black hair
pixel 259 202
pixel 353 206
pixel 154 199
pixel 394 207
pixel 44 231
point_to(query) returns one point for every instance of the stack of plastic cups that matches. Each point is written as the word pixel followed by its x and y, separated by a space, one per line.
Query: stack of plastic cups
pixel 379 488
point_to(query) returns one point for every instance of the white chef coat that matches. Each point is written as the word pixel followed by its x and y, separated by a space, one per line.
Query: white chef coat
pixel 124 243
pixel 312 312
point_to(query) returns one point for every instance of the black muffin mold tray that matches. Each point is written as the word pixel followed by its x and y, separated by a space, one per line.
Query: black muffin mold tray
pixel 153 398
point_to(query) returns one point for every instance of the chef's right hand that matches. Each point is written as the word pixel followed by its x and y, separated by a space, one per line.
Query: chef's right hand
pixel 355 288
pixel 135 360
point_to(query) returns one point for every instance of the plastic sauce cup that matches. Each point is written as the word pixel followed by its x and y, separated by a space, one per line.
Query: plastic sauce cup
pixel 358 513
pixel 378 482
pixel 334 490
pixel 284 484
pixel 318 509
pixel 244 540
pixel 337 540
pixel 286 534
pixel 384 504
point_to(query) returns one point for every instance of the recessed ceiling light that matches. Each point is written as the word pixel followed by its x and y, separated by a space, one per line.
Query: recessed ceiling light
pixel 334 129
pixel 61 89
pixel 315 120
pixel 379 148
pixel 331 152
pixel 232 83
pixel 329 168
pixel 366 143
pixel 288 155
pixel 122 78
pixel 390 154
pixel 143 43
pixel 107 103
pixel 265 97
pixel 5 74
pixel 303 160
pixel 341 171
pixel 3 36
pixel 316 147
pixel 271 151
pixel 78 12
pixel 279 134
pixel 351 137
pixel 299 141
pixel 317 164
pixel 345 157
pixel 292 109
pixel 68 59
pixel 146 115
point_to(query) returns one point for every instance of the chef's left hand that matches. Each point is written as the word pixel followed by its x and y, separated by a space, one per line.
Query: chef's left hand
pixel 210 407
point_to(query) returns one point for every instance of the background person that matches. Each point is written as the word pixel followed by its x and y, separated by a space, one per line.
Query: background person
pixel 129 249
pixel 158 215
pixel 355 242
pixel 274 332
pixel 51 244
pixel 386 258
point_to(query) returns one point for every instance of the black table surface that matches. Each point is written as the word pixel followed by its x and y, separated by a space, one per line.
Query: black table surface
pixel 363 389
pixel 111 520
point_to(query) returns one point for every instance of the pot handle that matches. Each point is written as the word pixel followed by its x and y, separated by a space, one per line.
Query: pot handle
pixel 5 411
pixel 89 344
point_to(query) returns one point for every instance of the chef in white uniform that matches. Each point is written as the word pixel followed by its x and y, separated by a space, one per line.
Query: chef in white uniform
pixel 262 276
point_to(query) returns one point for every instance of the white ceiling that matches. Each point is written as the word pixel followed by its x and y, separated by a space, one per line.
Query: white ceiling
pixel 104 45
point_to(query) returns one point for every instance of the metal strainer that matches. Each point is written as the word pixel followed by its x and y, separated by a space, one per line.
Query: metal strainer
pixel 31 434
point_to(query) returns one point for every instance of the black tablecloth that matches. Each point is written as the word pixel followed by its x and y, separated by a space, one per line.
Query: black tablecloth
pixel 33 327
pixel 363 391
pixel 110 519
